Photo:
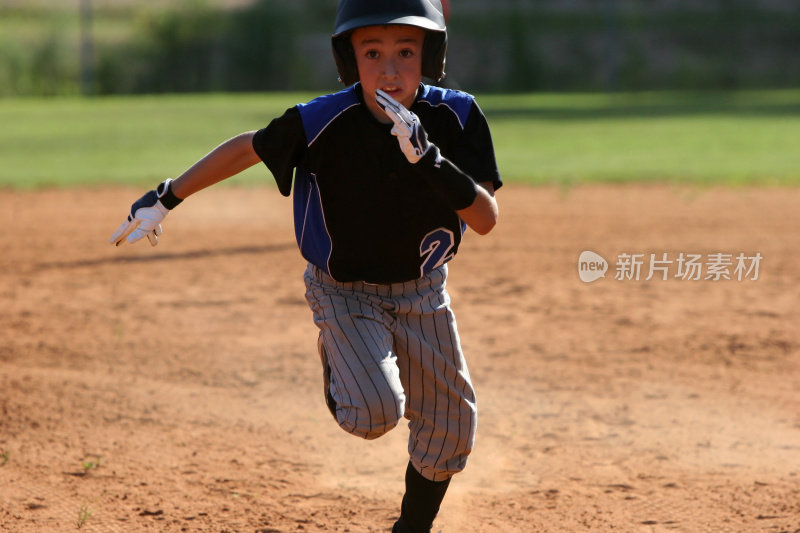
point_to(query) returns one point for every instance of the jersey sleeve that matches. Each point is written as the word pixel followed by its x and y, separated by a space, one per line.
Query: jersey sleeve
pixel 474 152
pixel 282 146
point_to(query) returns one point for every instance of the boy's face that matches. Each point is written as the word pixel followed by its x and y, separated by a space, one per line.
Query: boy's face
pixel 389 58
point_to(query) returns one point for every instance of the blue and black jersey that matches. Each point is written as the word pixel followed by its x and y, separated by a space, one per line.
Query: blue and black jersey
pixel 361 212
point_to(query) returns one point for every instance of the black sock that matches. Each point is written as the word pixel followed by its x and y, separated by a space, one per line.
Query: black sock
pixel 420 503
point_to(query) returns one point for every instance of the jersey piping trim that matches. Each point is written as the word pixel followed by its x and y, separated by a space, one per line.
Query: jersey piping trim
pixel 329 123
pixel 462 102
pixel 328 108
pixel 324 223
pixel 448 107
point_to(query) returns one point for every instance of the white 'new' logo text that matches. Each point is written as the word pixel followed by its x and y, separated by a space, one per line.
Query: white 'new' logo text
pixel 591 266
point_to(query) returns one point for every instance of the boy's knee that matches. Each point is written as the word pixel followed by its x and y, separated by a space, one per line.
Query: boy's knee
pixel 367 431
pixel 371 423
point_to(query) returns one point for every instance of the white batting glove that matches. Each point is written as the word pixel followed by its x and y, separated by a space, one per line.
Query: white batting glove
pixel 146 216
pixel 407 128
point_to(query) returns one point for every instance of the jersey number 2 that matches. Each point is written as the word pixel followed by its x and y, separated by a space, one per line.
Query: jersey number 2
pixel 435 249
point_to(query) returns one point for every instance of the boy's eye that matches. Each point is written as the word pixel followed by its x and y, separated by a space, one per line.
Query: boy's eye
pixel 371 54
pixel 406 52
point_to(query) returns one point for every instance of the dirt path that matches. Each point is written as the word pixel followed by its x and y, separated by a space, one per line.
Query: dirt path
pixel 178 388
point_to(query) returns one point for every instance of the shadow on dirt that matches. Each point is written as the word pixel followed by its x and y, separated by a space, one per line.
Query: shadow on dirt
pixel 162 257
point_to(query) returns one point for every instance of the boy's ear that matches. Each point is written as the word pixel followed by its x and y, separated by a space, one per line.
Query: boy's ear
pixel 345 58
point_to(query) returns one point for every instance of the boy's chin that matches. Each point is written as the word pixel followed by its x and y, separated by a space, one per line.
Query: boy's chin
pixel 402 97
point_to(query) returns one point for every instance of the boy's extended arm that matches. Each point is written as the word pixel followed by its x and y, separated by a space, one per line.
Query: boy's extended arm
pixel 227 159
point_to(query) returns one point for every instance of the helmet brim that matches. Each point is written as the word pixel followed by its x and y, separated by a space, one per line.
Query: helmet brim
pixel 384 20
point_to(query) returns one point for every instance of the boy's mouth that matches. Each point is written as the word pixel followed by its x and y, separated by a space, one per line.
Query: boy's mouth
pixel 392 91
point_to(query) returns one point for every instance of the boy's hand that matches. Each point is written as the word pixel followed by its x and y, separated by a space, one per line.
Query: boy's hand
pixel 407 127
pixel 146 215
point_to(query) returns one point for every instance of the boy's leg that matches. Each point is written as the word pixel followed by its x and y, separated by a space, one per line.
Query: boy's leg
pixel 362 381
pixel 440 402
pixel 440 399
pixel 420 502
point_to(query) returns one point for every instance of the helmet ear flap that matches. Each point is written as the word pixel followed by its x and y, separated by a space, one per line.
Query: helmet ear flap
pixel 434 50
pixel 345 58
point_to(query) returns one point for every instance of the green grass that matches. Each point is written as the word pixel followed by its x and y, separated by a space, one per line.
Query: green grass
pixel 708 138
pixel 123 140
pixel 720 138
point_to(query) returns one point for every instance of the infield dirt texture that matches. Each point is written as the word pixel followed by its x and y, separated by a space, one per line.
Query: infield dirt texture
pixel 179 389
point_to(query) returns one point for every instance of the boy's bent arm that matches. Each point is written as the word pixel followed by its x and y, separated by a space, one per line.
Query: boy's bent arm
pixel 455 187
pixel 227 159
pixel 482 215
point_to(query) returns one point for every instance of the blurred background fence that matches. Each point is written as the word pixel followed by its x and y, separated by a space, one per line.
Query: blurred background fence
pixel 50 47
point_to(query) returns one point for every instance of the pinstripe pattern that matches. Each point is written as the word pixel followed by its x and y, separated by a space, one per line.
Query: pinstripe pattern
pixel 392 351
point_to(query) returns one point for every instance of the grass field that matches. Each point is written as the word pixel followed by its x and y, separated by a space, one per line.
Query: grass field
pixel 709 138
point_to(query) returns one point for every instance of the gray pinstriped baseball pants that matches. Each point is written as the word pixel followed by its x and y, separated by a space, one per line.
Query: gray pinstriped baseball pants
pixel 393 351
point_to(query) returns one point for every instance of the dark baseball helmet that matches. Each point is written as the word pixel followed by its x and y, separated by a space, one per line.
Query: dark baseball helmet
pixel 425 14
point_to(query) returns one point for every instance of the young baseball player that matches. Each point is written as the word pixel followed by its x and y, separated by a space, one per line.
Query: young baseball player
pixel 385 175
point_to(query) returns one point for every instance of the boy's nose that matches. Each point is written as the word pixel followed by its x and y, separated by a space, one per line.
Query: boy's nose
pixel 389 68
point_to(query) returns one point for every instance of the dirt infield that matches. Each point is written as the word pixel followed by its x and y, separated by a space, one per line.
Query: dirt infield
pixel 178 388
